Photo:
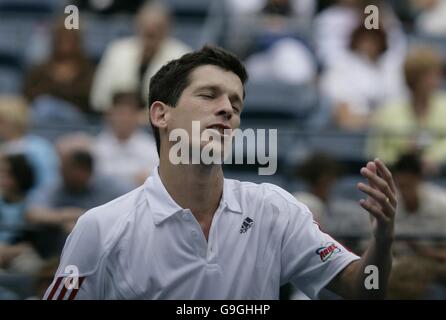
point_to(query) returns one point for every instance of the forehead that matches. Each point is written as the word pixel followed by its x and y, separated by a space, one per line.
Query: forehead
pixel 210 75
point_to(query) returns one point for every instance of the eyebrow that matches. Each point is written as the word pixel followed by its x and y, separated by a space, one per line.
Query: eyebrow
pixel 233 97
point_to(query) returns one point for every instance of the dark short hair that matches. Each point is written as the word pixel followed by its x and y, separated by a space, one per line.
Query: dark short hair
pixel 21 171
pixel 379 35
pixel 409 163
pixel 318 165
pixel 131 98
pixel 81 159
pixel 168 83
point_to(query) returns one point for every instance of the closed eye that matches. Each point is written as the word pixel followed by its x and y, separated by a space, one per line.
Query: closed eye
pixel 206 96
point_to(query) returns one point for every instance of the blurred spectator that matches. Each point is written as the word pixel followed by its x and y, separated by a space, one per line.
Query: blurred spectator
pixel 287 60
pixel 334 25
pixel 68 74
pixel 420 213
pixel 14 117
pixel 415 278
pixel 16 180
pixel 123 150
pixel 431 18
pixel 81 189
pixel 128 64
pixel 362 79
pixel 335 215
pixel 296 8
pixel 108 6
pixel 421 210
pixel 416 123
pixel 255 26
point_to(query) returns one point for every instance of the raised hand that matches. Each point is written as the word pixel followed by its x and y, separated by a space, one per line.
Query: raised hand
pixel 381 202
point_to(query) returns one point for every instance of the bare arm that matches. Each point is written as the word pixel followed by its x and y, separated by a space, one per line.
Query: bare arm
pixel 381 204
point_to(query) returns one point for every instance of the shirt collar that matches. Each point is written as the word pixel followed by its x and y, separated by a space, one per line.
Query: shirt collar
pixel 163 206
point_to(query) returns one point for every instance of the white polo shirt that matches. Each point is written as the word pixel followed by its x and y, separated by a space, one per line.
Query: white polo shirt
pixel 145 246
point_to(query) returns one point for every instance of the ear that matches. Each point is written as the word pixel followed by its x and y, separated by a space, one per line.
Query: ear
pixel 159 114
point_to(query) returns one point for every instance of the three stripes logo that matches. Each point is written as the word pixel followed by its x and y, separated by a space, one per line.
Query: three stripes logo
pixel 65 288
pixel 247 223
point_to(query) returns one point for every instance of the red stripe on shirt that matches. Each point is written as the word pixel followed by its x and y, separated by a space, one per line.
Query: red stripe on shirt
pixel 55 287
pixel 74 291
pixel 63 291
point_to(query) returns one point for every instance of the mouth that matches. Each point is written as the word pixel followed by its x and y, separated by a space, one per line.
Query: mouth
pixel 220 127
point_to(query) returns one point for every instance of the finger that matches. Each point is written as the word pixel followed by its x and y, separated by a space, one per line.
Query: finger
pixel 379 183
pixel 370 166
pixel 374 211
pixel 386 174
pixel 379 197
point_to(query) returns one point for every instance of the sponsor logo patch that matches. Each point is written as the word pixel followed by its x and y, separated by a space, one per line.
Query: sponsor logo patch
pixel 327 251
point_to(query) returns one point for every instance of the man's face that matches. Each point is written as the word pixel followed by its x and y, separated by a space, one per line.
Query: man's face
pixel 214 97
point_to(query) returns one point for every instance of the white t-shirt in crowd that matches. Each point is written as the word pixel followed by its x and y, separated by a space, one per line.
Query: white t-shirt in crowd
pixel 125 159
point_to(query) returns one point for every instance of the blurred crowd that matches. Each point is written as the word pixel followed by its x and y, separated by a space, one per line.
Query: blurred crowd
pixel 74 133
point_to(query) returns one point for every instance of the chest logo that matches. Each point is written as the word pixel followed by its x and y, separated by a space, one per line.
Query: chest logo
pixel 247 223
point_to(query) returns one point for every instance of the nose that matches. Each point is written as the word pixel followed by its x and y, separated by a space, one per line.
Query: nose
pixel 225 108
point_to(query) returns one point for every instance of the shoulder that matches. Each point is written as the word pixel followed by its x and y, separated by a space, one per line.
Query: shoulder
pixel 124 46
pixel 394 109
pixel 267 198
pixel 108 221
pixel 39 143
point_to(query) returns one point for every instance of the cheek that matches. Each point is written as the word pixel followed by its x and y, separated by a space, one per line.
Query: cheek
pixel 236 122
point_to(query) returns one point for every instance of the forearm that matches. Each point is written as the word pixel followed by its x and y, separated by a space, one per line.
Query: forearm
pixel 380 256
pixel 368 277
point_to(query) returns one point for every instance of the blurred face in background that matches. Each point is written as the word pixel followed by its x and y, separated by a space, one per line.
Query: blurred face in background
pixel 429 81
pixel 8 185
pixel 369 47
pixel 13 117
pixel 153 28
pixel 75 178
pixel 66 43
pixel 123 119
pixel 370 44
pixel 408 184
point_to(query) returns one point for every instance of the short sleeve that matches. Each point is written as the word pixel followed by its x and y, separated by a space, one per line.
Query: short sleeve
pixel 310 258
pixel 81 269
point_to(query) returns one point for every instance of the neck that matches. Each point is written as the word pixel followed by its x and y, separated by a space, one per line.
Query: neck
pixel 196 187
